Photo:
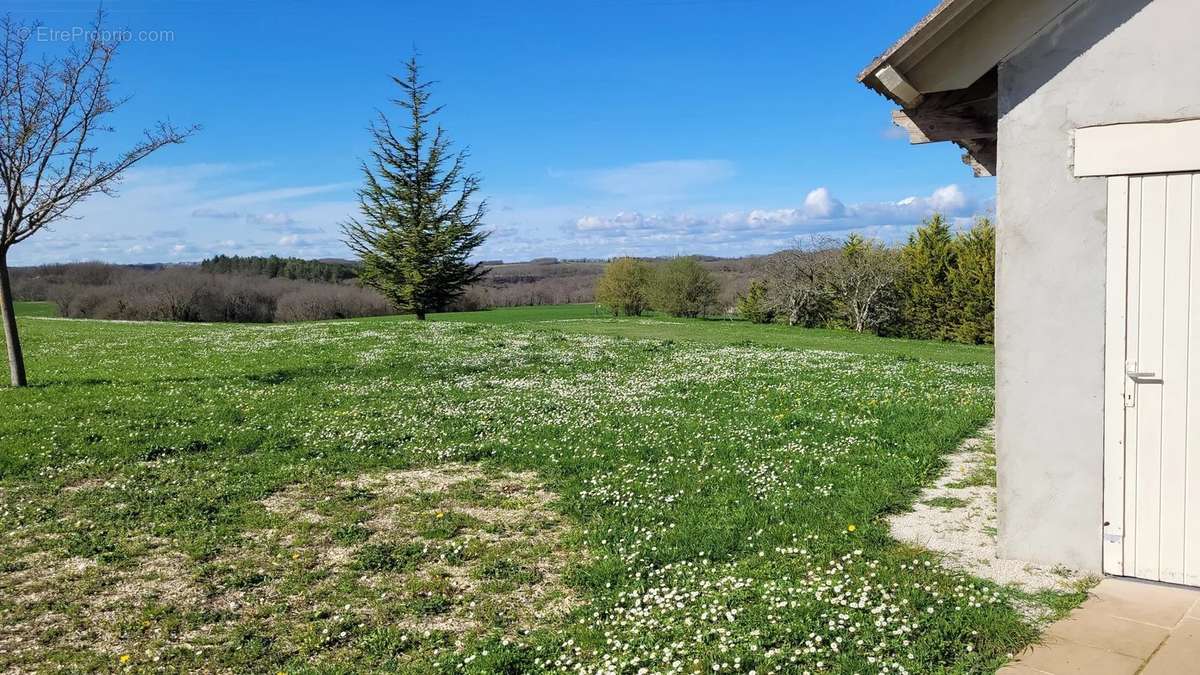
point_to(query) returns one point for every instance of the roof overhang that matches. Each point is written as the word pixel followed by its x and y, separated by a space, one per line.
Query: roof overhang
pixel 942 73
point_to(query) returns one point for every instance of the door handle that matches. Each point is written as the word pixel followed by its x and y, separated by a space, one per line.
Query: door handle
pixel 1138 377
pixel 1143 376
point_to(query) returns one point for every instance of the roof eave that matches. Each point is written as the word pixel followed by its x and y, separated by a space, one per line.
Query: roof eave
pixel 925 34
pixel 887 76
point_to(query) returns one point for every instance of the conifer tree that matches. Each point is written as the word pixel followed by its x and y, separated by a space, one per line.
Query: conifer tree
pixel 753 304
pixel 973 283
pixel 419 222
pixel 928 258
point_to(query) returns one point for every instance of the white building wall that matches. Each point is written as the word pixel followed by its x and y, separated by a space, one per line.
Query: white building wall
pixel 1101 62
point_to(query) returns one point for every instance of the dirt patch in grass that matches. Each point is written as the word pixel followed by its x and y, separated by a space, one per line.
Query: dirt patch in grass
pixel 84 484
pixel 468 550
pixel 290 503
pixel 76 603
pixel 452 550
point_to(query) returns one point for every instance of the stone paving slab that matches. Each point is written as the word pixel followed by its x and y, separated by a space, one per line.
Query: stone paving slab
pixel 1180 653
pixel 1138 640
pixel 1126 627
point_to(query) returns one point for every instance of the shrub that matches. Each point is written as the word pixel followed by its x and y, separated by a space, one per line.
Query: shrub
pixel 800 281
pixel 30 287
pixel 682 287
pixel 180 294
pixel 624 287
pixel 476 298
pixel 753 305
pixel 315 302
pixel 80 301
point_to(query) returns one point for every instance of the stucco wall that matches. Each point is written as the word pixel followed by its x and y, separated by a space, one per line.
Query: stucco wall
pixel 1102 61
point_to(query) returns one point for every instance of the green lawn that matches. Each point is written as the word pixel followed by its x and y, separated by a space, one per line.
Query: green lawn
pixel 515 491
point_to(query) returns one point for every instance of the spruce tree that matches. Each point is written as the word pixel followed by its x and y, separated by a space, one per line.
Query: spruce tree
pixel 928 258
pixel 753 304
pixel 973 283
pixel 419 222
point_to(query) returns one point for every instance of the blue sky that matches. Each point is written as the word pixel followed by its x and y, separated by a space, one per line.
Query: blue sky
pixel 598 127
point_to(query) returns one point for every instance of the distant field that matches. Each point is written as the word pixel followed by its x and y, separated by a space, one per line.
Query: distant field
pixel 35 308
pixel 507 491
pixel 590 319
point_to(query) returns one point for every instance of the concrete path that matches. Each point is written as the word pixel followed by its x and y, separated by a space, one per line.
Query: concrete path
pixel 1124 627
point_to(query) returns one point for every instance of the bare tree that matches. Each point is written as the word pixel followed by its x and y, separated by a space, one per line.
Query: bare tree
pixel 800 279
pixel 863 280
pixel 51 110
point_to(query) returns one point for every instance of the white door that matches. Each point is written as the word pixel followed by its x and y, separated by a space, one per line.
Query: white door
pixel 1152 448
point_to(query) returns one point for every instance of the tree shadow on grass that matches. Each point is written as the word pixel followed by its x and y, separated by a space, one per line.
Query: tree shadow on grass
pixel 268 377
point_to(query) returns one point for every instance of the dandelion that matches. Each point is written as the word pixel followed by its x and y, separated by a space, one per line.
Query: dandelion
pixel 124 658
pixel 851 527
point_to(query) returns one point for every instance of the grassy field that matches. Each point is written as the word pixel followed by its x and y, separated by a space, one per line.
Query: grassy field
pixel 509 491
pixel 35 308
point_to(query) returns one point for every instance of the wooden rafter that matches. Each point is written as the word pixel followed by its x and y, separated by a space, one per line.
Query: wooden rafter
pixel 967 117
pixel 936 123
pixel 980 156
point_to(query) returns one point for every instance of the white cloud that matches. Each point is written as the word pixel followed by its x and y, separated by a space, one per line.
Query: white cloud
pixel 738 232
pixel 949 199
pixel 821 204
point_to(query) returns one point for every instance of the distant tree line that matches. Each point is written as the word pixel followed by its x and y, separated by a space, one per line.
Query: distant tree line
pixel 574 281
pixel 545 282
pixel 939 285
pixel 100 291
pixel 275 266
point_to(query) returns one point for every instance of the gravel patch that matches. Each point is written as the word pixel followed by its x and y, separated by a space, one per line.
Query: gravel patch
pixel 956 517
